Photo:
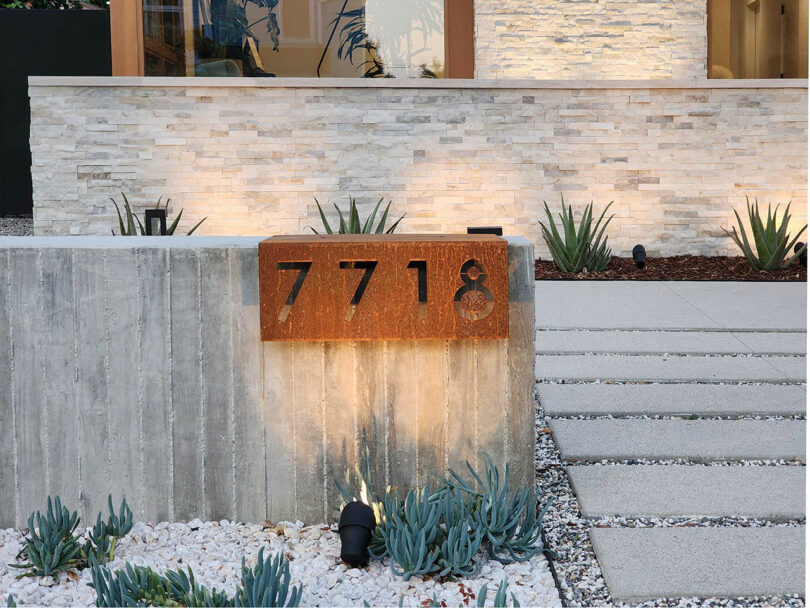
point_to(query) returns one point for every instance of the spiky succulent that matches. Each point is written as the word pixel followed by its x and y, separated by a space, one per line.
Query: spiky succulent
pixel 119 525
pixel 353 224
pixel 50 546
pixel 772 243
pixel 267 583
pixel 577 248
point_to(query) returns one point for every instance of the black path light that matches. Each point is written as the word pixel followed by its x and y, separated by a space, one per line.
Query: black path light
pixel 803 256
pixel 640 256
pixel 356 525
pixel 155 218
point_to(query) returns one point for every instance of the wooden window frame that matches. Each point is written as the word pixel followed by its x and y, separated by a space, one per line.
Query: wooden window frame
pixel 126 33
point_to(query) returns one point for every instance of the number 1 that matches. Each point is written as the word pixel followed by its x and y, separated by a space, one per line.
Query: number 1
pixel 421 285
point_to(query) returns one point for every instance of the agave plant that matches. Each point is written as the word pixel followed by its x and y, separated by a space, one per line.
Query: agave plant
pixel 353 225
pixel 772 242
pixel 577 249
pixel 133 226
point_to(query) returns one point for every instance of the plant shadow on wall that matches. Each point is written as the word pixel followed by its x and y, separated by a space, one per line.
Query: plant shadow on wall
pixel 385 38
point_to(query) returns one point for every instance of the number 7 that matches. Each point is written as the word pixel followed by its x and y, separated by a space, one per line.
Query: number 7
pixel 303 269
pixel 369 267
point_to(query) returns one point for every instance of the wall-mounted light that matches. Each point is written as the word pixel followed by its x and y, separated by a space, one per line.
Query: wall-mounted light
pixel 640 256
pixel 355 527
pixel 496 230
pixel 803 256
pixel 155 222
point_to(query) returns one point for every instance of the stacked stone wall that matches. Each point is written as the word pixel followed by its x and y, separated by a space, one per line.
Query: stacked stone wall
pixel 253 159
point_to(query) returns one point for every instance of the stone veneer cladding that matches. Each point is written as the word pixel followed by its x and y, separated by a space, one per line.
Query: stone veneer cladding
pixel 570 39
pixel 253 158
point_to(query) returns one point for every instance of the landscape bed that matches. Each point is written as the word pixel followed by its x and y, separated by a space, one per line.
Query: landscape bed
pixel 673 268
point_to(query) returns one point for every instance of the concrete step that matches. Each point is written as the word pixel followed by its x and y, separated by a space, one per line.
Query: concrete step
pixel 669 368
pixel 767 492
pixel 577 342
pixel 648 563
pixel 698 440
pixel 662 305
pixel 672 399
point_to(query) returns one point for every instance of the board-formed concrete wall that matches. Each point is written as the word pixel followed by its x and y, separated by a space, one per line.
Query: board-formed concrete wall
pixel 133 366
pixel 591 39
pixel 252 155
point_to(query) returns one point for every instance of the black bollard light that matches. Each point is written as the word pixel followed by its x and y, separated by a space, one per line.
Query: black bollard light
pixel 155 222
pixel 640 256
pixel 803 256
pixel 355 527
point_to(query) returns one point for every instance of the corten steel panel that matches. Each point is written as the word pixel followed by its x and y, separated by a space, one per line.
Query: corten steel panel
pixel 383 287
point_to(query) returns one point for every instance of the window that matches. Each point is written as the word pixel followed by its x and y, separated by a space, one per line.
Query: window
pixel 758 38
pixel 329 38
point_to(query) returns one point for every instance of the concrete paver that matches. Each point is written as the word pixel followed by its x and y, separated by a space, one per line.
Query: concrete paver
pixel 768 492
pixel 673 399
pixel 648 563
pixel 670 368
pixel 630 342
pixel 670 305
pixel 698 440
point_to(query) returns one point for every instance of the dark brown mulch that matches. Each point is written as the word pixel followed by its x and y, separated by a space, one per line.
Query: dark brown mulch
pixel 675 268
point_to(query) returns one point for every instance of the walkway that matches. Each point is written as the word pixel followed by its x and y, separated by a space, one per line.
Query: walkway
pixel 672 401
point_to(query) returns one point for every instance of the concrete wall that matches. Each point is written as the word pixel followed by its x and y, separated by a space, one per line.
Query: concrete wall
pixel 133 366
pixel 252 155
pixel 591 39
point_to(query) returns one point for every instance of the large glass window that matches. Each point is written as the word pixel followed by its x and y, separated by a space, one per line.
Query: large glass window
pixel 758 38
pixel 344 38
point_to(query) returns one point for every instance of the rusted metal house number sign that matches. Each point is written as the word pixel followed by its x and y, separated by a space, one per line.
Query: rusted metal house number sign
pixel 370 287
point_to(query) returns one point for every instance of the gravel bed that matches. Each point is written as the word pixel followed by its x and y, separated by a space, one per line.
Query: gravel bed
pixel 16 226
pixel 576 569
pixel 565 530
pixel 214 551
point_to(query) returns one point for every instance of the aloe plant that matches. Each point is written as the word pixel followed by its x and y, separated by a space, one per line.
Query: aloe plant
pixel 577 248
pixel 133 225
pixel 771 241
pixel 353 225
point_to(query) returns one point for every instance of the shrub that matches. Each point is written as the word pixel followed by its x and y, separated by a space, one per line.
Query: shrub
pixel 354 225
pixel 440 533
pixel 772 243
pixel 133 225
pixel 577 249
pixel 266 584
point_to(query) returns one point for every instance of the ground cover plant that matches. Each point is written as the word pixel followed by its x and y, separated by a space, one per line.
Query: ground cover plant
pixel 352 224
pixel 439 533
pixel 266 584
pixel 133 226
pixel 772 243
pixel 577 249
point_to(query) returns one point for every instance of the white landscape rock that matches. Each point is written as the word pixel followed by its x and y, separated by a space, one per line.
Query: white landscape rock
pixel 214 551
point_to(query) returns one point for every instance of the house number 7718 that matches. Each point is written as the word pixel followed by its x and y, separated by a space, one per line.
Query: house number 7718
pixel 472 301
